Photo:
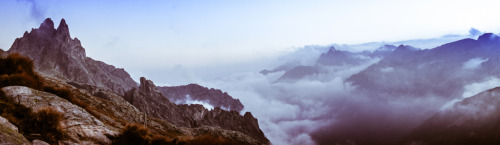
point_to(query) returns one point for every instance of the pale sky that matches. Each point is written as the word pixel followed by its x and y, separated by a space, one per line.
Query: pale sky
pixel 144 35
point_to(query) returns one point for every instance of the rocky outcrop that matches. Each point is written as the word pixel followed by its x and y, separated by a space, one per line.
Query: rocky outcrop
pixel 147 98
pixel 77 123
pixel 214 97
pixel 9 133
pixel 3 53
pixel 55 53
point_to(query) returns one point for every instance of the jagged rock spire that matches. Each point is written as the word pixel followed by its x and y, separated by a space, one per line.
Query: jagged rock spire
pixel 63 30
pixel 47 24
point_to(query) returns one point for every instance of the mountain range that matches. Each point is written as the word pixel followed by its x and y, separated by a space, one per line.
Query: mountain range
pixel 101 104
pixel 51 92
pixel 398 94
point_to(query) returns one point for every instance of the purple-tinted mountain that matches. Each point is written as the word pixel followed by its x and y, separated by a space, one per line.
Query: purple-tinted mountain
pixel 214 97
pixel 336 57
pixel 381 51
pixel 297 73
pixel 284 67
pixel 474 120
pixel 403 78
pixel 332 58
pixel 147 98
pixel 62 60
pixel 442 71
pixel 55 53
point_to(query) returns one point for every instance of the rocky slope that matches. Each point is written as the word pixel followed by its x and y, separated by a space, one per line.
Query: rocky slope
pixel 79 125
pixel 147 98
pixel 474 120
pixel 98 100
pixel 9 133
pixel 214 97
pixel 55 53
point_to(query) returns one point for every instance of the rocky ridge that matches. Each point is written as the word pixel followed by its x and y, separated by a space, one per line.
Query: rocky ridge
pixel 147 98
pixel 214 97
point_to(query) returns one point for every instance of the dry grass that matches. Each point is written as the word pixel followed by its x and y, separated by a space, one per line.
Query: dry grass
pixel 133 135
pixel 43 125
pixel 138 135
pixel 18 70
pixel 45 122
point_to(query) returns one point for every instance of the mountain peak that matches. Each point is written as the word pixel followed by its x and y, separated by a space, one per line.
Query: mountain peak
pixel 147 86
pixel 47 24
pixel 488 37
pixel 63 30
pixel 55 52
pixel 331 50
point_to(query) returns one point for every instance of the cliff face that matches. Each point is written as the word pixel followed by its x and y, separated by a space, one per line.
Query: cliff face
pixel 55 53
pixel 147 98
pixel 214 97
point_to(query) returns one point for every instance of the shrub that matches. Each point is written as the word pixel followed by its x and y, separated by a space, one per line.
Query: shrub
pixel 138 135
pixel 132 135
pixel 208 140
pixel 45 122
pixel 61 92
pixel 16 63
pixel 14 112
pixel 18 70
pixel 162 140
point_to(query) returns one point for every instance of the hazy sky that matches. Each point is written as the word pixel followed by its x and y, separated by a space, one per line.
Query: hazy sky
pixel 143 35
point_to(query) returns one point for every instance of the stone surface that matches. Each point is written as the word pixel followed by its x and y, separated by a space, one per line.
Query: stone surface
pixel 39 142
pixel 9 133
pixel 77 123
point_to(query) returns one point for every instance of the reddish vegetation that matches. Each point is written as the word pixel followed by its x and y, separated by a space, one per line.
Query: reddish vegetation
pixel 46 123
pixel 133 134
pixel 43 125
pixel 18 70
pixel 138 135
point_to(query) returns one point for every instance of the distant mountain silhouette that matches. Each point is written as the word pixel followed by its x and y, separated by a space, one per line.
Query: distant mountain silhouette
pixel 431 72
pixel 474 120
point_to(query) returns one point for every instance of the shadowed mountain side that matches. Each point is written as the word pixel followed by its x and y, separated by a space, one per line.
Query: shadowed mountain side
pixel 147 98
pixel 474 120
